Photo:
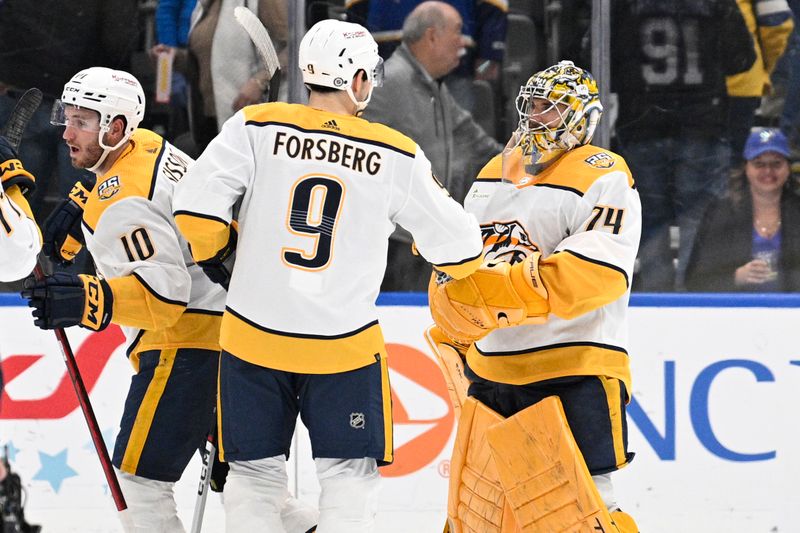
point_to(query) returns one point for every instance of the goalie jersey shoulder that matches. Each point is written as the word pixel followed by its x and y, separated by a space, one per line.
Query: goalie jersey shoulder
pixel 576 171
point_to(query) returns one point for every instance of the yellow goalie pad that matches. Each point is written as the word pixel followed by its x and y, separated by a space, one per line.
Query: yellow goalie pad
pixel 451 362
pixel 476 503
pixel 523 474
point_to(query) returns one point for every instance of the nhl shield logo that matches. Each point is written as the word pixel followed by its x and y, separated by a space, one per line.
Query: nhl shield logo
pixel 358 420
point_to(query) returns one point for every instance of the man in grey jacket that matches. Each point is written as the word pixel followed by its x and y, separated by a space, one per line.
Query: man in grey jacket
pixel 414 101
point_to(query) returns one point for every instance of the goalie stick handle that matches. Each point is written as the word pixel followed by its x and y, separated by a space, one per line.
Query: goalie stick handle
pixel 88 412
pixel 24 109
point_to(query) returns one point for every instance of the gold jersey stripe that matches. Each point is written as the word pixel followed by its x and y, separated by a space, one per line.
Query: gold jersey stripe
pixel 147 411
pixel 219 415
pixel 16 196
pixel 388 435
pixel 194 329
pixel 572 172
pixel 463 269
pixel 137 305
pixel 302 117
pixel 132 175
pixel 577 284
pixel 208 235
pixel 308 354
pixel 614 398
pixel 539 364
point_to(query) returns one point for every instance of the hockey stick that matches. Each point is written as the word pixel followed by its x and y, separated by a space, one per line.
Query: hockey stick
pixel 208 456
pixel 13 130
pixel 88 412
pixel 260 37
pixel 24 109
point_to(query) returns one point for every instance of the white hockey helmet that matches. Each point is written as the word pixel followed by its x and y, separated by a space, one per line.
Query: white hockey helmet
pixel 331 53
pixel 111 93
pixel 572 91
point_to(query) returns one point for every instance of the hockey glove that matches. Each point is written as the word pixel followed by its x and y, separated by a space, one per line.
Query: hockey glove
pixel 63 300
pixel 11 169
pixel 494 296
pixel 219 267
pixel 63 236
pixel 219 474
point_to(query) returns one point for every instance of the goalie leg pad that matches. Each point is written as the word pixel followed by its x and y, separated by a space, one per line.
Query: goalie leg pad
pixel 476 503
pixel 451 363
pixel 543 472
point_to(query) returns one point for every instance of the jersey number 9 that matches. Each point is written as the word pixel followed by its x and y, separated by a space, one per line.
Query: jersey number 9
pixel 314 208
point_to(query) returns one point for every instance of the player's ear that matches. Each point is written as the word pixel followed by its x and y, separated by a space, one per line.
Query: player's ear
pixel 116 129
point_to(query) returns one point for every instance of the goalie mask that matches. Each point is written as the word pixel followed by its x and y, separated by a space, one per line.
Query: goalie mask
pixel 559 109
pixel 111 93
pixel 333 51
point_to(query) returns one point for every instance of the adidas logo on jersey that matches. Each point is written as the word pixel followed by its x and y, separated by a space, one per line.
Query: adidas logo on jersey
pixel 331 125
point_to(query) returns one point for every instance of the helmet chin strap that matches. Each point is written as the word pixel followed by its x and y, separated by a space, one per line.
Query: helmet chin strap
pixel 360 106
pixel 106 150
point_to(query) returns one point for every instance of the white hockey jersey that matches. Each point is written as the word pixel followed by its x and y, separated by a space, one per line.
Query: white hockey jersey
pixel 583 214
pixel 162 298
pixel 20 240
pixel 320 194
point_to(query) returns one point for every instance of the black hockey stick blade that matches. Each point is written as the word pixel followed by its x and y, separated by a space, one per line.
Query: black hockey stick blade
pixel 23 111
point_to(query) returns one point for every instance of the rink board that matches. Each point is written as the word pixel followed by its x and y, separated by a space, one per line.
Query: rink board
pixel 713 420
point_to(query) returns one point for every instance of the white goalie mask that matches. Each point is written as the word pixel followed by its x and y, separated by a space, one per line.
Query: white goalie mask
pixel 572 93
pixel 333 51
pixel 111 93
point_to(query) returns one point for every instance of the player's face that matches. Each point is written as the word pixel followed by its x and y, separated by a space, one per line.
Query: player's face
pixel 544 113
pixel 80 134
pixel 767 172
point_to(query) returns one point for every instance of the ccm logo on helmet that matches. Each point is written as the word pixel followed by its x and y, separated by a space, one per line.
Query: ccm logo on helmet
pixel 353 34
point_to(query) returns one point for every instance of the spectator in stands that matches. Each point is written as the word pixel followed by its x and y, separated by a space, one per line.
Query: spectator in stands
pixel 790 116
pixel 414 101
pixel 750 240
pixel 484 30
pixel 173 18
pixel 770 23
pixel 669 62
pixel 42 44
pixel 225 70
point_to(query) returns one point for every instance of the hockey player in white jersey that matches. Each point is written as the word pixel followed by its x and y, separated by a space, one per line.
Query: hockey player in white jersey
pixel 320 192
pixel 20 240
pixel 561 222
pixel 147 283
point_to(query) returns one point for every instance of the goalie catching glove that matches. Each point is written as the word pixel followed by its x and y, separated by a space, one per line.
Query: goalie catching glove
pixel 11 169
pixel 63 300
pixel 494 296
pixel 63 236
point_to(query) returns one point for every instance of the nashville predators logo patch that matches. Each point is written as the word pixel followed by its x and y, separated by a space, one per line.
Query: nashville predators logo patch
pixel 108 188
pixel 506 241
pixel 600 160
